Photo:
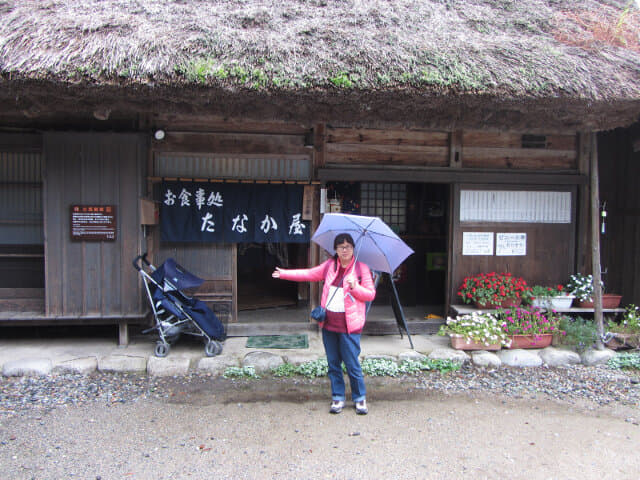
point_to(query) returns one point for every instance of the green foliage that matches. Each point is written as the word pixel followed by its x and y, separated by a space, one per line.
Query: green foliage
pixel 578 333
pixel 344 80
pixel 625 360
pixel 240 372
pixel 630 322
pixel 284 370
pixel 380 367
pixel 315 368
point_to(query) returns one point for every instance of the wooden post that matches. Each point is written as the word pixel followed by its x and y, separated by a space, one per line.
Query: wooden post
pixel 595 242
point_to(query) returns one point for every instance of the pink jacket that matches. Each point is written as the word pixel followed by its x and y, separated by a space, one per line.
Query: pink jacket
pixel 354 298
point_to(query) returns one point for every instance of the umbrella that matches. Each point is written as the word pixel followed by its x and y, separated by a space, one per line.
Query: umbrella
pixel 375 243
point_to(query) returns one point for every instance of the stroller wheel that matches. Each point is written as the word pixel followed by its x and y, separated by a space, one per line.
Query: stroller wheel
pixel 212 348
pixel 162 349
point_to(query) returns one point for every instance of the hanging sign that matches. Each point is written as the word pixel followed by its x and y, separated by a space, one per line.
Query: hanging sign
pixel 236 213
pixel 93 222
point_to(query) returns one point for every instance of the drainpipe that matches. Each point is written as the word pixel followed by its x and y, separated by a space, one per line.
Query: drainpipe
pixel 595 241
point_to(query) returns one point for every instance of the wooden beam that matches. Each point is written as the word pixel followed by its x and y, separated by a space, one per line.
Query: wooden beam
pixel 445 175
pixel 387 137
pixel 595 243
pixel 231 143
pixel 21 142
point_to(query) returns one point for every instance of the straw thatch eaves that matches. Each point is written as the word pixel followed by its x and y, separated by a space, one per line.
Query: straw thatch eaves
pixel 435 63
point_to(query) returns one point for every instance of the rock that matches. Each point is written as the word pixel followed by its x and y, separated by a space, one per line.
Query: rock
pixel 215 365
pixel 27 367
pixel 449 354
pixel 300 358
pixel 411 355
pixel 519 358
pixel 381 357
pixel 555 357
pixel 82 366
pixel 483 358
pixel 167 366
pixel 122 364
pixel 263 362
pixel 597 357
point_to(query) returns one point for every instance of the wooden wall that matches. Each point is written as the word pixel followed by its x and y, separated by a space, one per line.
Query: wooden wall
pixel 92 278
pixel 550 248
pixel 619 171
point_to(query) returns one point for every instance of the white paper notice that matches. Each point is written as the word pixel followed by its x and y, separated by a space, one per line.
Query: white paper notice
pixel 511 244
pixel 477 243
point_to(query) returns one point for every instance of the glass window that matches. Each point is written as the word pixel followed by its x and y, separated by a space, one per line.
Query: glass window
pixel 387 201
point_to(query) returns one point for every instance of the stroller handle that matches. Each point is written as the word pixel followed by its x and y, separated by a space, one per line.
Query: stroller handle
pixel 142 257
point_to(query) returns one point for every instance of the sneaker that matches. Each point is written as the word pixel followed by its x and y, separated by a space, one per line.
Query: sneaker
pixel 361 407
pixel 336 406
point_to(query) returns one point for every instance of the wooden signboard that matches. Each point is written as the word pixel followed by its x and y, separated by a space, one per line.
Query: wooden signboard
pixel 93 222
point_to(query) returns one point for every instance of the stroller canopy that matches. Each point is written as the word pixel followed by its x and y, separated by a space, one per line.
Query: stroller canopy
pixel 174 274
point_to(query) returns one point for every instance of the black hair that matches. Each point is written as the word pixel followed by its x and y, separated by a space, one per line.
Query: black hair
pixel 340 239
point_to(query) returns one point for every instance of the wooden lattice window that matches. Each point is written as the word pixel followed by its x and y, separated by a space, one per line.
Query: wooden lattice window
pixel 387 201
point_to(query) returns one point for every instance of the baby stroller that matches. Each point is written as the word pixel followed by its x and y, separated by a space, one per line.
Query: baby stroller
pixel 175 312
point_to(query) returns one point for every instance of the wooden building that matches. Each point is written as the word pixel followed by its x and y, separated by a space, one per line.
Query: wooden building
pixel 475 147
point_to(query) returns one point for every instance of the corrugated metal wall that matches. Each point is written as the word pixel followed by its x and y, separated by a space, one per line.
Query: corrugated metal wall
pixel 93 278
pixel 254 167
pixel 21 198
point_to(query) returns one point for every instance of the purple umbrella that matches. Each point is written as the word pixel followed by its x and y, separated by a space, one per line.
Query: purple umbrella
pixel 375 243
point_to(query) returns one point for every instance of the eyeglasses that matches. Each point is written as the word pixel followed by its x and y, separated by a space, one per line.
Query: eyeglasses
pixel 344 248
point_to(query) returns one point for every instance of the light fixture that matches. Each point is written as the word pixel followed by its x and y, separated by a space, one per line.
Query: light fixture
pixel 159 135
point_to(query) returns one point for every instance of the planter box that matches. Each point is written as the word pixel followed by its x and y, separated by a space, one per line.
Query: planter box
pixel 560 302
pixel 460 343
pixel 510 302
pixel 609 300
pixel 531 341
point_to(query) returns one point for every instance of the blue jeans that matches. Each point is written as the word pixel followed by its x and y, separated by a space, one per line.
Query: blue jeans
pixel 344 347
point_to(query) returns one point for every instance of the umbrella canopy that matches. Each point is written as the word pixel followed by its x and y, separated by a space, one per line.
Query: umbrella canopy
pixel 375 243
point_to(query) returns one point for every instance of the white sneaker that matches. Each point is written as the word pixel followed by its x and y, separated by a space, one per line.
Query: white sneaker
pixel 361 407
pixel 336 406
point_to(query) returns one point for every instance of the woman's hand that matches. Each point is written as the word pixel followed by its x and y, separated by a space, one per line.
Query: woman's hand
pixel 276 273
pixel 351 280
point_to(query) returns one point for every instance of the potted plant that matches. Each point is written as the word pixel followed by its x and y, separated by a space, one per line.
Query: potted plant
pixel 550 297
pixel 582 287
pixel 493 290
pixel 626 333
pixel 529 327
pixel 475 331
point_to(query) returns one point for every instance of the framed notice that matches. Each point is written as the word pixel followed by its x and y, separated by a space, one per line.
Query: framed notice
pixel 477 243
pixel 93 222
pixel 511 244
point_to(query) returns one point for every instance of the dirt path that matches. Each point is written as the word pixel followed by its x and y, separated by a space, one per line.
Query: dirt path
pixel 281 429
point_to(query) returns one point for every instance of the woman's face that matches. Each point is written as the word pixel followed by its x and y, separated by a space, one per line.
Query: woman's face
pixel 345 251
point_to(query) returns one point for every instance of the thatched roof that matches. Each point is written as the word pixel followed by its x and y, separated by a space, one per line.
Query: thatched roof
pixel 498 63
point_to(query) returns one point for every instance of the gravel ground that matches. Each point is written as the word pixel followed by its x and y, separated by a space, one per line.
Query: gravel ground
pixel 589 385
pixel 575 422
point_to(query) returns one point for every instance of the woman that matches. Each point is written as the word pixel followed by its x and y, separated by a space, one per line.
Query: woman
pixel 347 287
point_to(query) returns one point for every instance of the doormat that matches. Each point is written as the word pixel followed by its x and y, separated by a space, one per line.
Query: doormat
pixel 278 341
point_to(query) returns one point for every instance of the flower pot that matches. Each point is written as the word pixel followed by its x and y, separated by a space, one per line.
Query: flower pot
pixel 509 302
pixel 459 342
pixel 561 301
pixel 531 341
pixel 609 300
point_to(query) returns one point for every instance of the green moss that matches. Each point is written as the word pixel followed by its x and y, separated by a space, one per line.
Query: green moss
pixel 343 80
